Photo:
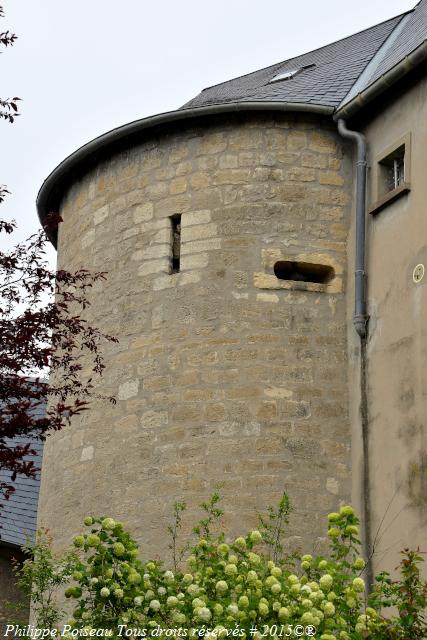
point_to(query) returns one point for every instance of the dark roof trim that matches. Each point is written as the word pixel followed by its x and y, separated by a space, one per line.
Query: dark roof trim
pixel 10 545
pixel 406 65
pixel 51 191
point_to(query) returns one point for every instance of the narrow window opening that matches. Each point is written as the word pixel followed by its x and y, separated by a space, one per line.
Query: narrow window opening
pixel 303 271
pixel 392 170
pixel 176 242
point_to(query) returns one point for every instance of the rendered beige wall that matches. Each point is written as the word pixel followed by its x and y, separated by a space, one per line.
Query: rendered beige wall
pixel 397 345
pixel 221 374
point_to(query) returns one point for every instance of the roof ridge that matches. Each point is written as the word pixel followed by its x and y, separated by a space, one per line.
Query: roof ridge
pixel 378 56
pixel 325 46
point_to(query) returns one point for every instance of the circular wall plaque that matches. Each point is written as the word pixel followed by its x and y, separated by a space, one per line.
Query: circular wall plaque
pixel 418 273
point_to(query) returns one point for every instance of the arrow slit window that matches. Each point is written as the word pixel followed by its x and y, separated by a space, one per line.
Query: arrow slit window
pixel 176 243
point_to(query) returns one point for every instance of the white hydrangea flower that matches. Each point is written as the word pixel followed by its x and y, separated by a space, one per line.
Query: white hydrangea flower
pixel 192 590
pixel 233 609
pixel 230 570
pixel 197 603
pixel 240 542
pixel 253 558
pixel 172 601
pixel 161 591
pixel 108 523
pixel 178 617
pixel 221 586
pixel 255 537
pixel 204 614
pixel 359 584
pixel 155 605
pixel 329 609
pixel 326 582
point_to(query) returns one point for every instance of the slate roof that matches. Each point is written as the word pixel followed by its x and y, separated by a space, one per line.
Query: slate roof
pixel 409 34
pixel 18 515
pixel 337 67
pixel 342 69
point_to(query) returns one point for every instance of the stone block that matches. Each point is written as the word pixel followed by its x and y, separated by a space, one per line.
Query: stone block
pixel 87 454
pixel 322 142
pixel 178 185
pixel 330 177
pixel 194 261
pixel 198 232
pixel 196 217
pixel 228 162
pixel 296 140
pixel 267 297
pixel 128 389
pixel 200 180
pixel 143 212
pixel 154 266
pixel 212 143
pixel 301 174
pixel 88 239
pixel 100 214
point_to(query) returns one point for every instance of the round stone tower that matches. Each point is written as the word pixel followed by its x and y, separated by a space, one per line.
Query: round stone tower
pixel 224 239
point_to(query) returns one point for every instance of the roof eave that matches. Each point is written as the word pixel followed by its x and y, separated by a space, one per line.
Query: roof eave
pixel 383 83
pixel 50 193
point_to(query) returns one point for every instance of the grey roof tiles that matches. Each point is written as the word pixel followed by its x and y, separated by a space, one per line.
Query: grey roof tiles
pixel 18 515
pixel 342 69
pixel 337 67
pixel 408 36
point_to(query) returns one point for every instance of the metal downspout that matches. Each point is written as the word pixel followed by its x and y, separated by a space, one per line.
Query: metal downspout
pixel 360 318
pixel 360 322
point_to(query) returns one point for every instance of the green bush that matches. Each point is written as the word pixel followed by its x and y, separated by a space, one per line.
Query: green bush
pixel 42 576
pixel 236 585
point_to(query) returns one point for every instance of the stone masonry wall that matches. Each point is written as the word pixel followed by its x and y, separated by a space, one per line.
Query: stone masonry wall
pixel 223 372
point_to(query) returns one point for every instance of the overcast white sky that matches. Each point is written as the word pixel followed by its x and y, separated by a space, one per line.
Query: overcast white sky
pixel 87 66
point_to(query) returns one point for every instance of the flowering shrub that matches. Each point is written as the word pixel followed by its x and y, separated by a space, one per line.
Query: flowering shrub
pixel 233 586
pixel 42 577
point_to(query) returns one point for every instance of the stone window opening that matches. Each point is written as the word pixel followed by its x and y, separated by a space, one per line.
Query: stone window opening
pixel 176 242
pixel 392 169
pixel 391 174
pixel 303 271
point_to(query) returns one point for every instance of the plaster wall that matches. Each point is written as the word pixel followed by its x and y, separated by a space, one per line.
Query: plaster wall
pixel 397 345
pixel 223 373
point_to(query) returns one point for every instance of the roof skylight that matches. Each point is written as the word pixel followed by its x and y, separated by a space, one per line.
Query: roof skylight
pixel 289 74
pixel 286 75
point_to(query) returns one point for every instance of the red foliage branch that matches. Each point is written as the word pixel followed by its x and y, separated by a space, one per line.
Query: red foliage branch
pixel 41 330
pixel 8 106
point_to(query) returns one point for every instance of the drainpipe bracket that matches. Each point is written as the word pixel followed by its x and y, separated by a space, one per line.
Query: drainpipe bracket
pixel 360 323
